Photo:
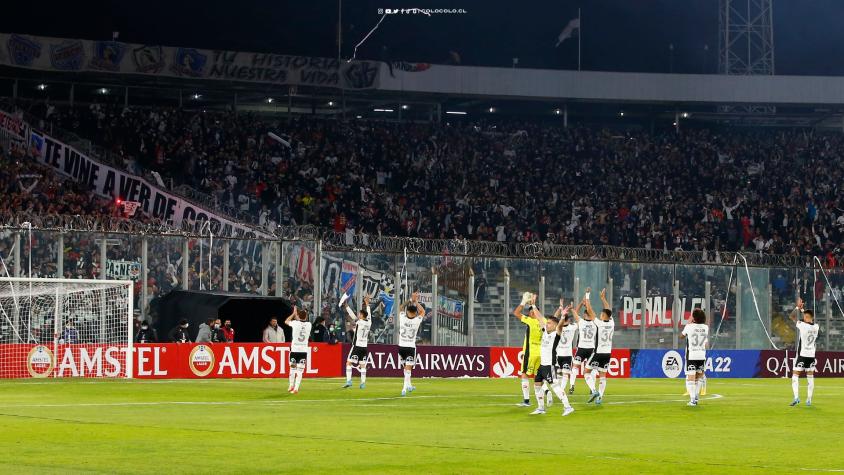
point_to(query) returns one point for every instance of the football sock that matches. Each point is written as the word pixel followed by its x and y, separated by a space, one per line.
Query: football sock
pixel 525 390
pixel 810 381
pixel 795 385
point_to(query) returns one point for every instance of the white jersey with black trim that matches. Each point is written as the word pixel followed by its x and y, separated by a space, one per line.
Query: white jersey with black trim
pixel 808 337
pixel 587 331
pixel 362 332
pixel 546 350
pixel 697 337
pixel 567 334
pixel 301 332
pixel 605 334
pixel 408 327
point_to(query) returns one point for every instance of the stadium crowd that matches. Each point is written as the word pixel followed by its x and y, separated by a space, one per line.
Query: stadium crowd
pixel 765 191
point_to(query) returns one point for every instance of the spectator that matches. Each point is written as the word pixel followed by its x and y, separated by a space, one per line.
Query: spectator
pixel 70 335
pixel 146 334
pixel 179 333
pixel 320 332
pixel 217 335
pixel 204 333
pixel 273 333
pixel 228 331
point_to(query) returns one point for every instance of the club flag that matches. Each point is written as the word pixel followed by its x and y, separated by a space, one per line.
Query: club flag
pixel 568 31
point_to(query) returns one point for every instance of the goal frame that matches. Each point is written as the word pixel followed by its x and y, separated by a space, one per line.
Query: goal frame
pixel 130 329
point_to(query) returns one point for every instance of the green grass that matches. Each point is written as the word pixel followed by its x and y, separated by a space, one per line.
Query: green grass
pixel 446 426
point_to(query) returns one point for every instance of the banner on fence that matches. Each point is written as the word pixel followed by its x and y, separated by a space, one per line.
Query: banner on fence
pixel 123 270
pixel 658 310
pixel 112 183
pixel 14 127
pixel 113 57
pixel 671 363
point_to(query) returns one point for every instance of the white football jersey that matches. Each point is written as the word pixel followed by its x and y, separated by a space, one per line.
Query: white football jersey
pixel 362 332
pixel 605 333
pixel 546 351
pixel 408 327
pixel 697 337
pixel 567 334
pixel 808 337
pixel 301 333
pixel 587 330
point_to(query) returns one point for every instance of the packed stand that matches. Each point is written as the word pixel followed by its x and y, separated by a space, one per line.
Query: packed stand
pixel 762 191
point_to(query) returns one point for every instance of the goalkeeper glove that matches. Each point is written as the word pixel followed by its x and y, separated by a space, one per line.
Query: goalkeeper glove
pixel 525 298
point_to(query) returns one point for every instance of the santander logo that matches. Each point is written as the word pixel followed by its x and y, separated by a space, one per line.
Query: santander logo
pixel 503 368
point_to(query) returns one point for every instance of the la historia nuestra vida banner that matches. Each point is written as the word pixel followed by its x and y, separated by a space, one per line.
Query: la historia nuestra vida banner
pixel 109 182
pixel 113 57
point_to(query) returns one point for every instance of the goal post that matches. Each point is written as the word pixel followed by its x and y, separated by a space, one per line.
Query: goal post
pixel 58 328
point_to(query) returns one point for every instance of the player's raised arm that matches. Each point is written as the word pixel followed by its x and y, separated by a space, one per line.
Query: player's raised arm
pixel 535 313
pixel 588 305
pixel 518 310
pixel 293 315
pixel 604 300
pixel 798 308
pixel 561 314
pixel 576 309
pixel 366 306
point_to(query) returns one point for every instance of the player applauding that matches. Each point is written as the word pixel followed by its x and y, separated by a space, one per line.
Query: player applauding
pixel 601 361
pixel 563 347
pixel 587 332
pixel 360 351
pixel 696 334
pixel 531 346
pixel 805 361
pixel 298 321
pixel 549 330
pixel 410 318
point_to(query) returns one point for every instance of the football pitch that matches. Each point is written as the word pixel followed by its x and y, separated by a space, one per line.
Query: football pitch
pixel 445 426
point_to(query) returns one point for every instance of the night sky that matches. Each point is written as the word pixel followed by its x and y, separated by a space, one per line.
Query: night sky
pixel 631 35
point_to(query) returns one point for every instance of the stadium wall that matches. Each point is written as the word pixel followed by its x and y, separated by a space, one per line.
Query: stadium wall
pixel 614 86
pixel 259 360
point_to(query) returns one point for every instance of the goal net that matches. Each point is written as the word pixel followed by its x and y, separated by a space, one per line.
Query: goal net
pixel 59 328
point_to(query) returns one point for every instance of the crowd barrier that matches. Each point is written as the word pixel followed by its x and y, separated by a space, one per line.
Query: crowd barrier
pixel 259 360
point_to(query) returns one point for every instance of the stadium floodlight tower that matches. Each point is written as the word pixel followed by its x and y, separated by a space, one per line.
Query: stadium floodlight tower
pixel 746 43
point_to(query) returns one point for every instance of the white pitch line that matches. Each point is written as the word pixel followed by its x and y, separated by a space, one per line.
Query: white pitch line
pixel 320 401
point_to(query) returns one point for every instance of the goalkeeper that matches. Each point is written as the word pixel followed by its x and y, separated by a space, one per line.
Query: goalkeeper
pixel 532 344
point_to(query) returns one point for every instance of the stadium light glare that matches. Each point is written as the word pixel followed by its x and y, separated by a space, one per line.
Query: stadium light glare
pixel 270 100
pixel 456 112
pixel 557 111
pixel 359 117
pixel 41 87
pixel 621 114
pixel 196 96
pixel 330 103
pixel 405 106
pixel 382 110
pixel 103 90
pixel 674 124
pixel 685 115
pixel 491 110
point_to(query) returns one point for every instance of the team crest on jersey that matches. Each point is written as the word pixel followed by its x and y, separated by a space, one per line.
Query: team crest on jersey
pixel 672 364
pixel 201 361
pixel 40 362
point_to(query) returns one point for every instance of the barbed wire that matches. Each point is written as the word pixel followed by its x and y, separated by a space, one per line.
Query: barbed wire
pixel 343 242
